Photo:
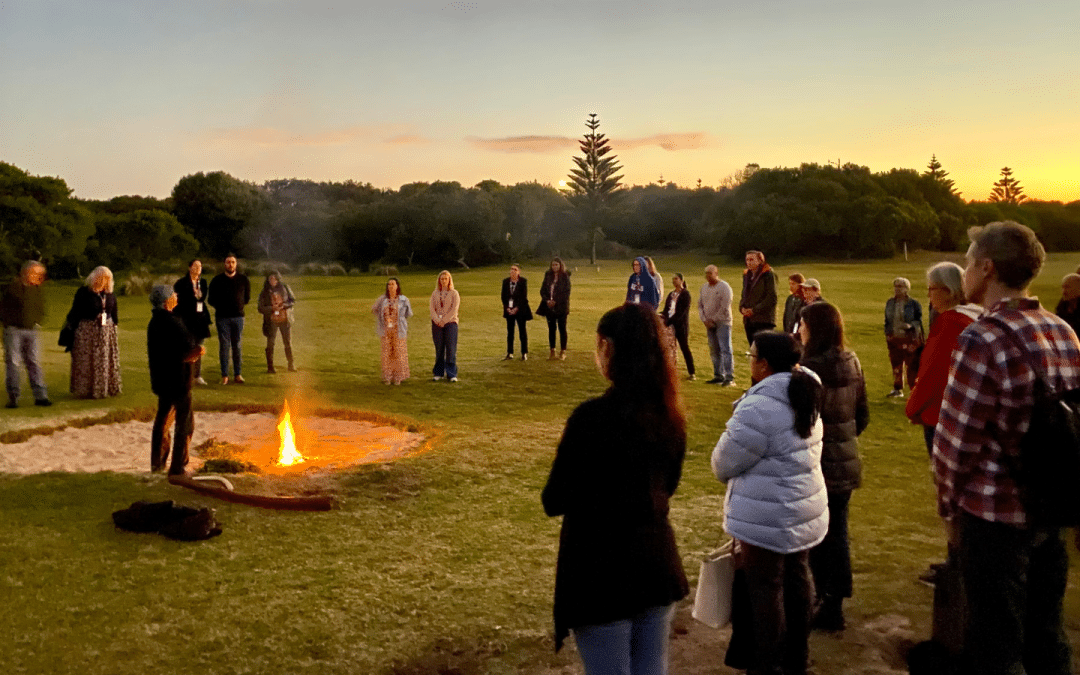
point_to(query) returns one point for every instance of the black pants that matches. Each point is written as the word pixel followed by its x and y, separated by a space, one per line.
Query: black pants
pixel 830 561
pixel 553 322
pixel 682 336
pixel 753 328
pixel 518 319
pixel 779 587
pixel 170 407
pixel 1015 581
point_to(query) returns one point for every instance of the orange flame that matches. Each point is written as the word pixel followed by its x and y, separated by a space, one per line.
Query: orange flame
pixel 288 455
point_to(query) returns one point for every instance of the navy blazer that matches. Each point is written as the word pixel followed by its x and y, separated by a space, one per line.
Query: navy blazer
pixel 520 298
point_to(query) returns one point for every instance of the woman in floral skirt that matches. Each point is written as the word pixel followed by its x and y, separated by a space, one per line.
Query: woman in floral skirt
pixel 392 312
pixel 95 352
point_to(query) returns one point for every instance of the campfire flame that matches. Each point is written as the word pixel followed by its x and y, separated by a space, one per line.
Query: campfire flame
pixel 288 455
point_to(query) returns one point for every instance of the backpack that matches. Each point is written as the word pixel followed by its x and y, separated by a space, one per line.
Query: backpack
pixel 1048 468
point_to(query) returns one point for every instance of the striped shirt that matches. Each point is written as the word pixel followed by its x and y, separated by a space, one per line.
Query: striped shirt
pixel 987 407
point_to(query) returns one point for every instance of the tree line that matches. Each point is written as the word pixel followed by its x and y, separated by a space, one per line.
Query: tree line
pixel 812 210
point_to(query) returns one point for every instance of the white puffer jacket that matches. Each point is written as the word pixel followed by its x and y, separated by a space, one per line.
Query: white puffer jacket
pixel 776 496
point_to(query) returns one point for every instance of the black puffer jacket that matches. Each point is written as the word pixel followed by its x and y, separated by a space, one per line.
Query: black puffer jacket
pixel 845 414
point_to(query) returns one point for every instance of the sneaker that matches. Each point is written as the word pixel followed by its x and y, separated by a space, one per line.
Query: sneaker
pixel 436 378
pixel 728 382
pixel 508 357
pixel 200 381
pixel 239 379
pixel 562 355
pixel 691 378
pixel 524 357
pixel 895 393
pixel 715 380
pixel 453 379
pixel 224 380
pixel 44 402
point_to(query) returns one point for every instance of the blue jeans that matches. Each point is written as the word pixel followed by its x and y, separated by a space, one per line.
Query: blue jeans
pixel 634 646
pixel 723 364
pixel 229 332
pixel 21 344
pixel 445 339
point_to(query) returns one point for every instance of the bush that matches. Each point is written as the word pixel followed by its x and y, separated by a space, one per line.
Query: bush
pixel 388 271
pixel 142 282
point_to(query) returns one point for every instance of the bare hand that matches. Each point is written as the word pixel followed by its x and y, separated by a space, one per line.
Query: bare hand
pixel 709 323
pixel 747 312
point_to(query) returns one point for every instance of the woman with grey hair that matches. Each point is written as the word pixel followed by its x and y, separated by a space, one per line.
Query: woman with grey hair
pixel 95 351
pixel 903 334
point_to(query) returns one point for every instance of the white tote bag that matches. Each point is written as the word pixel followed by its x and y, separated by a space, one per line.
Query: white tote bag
pixel 712 601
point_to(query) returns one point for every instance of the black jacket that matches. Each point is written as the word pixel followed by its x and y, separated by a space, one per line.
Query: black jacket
pixel 611 480
pixel 186 307
pixel 759 294
pixel 844 413
pixel 168 345
pixel 520 298
pixel 87 306
pixel 681 319
pixel 561 296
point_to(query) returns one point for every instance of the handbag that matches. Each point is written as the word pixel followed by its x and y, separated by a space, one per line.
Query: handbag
pixel 712 600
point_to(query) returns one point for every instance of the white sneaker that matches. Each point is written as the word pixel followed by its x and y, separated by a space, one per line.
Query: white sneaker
pixel 453 379
pixel 436 378
pixel 199 380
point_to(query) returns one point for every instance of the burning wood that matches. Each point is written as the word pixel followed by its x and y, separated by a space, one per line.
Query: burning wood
pixel 288 455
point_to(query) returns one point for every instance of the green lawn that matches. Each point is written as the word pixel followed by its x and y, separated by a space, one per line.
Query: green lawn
pixel 444 559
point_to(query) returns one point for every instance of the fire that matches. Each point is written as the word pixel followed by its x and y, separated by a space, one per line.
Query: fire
pixel 288 455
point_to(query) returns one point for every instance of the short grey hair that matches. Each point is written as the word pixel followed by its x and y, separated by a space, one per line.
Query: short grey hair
pixel 901 281
pixel 948 275
pixel 160 294
pixel 101 271
pixel 1013 248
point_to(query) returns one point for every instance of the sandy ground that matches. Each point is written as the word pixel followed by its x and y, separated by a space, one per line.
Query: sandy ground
pixel 328 443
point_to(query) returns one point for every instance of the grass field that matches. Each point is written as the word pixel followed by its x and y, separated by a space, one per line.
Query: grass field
pixel 444 559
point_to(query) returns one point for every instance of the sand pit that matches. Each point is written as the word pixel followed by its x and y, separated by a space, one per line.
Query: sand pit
pixel 326 443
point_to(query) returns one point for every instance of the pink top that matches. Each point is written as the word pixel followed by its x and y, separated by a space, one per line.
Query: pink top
pixel 444 307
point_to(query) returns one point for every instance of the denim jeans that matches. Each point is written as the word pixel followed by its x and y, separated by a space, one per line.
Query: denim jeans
pixel 634 646
pixel 21 344
pixel 445 339
pixel 1015 583
pixel 229 333
pixel 723 364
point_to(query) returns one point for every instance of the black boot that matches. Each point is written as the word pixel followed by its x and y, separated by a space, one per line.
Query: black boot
pixel 829 614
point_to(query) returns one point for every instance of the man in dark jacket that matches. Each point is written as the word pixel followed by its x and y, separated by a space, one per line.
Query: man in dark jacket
pixel 758 300
pixel 229 292
pixel 22 309
pixel 793 303
pixel 515 300
pixel 172 350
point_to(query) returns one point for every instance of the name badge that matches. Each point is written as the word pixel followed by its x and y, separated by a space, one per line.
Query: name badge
pixel 104 318
pixel 198 306
pixel 637 299
pixel 511 305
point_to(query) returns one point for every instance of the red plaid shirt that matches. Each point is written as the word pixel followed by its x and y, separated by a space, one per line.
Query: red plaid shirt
pixel 987 407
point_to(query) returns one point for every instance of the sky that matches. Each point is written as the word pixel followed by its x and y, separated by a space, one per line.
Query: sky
pixel 125 97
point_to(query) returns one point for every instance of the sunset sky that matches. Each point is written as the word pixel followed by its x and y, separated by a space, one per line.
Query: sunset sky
pixel 128 96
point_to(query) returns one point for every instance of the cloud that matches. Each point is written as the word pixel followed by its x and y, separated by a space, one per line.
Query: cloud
pixel 270 137
pixel 541 144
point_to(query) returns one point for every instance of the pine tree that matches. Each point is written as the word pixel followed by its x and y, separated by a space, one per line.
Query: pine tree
pixel 934 171
pixel 594 184
pixel 1007 190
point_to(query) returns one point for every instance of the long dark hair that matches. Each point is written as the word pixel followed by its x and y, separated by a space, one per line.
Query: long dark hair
pixel 562 267
pixel 639 369
pixel 781 352
pixel 386 292
pixel 826 327
pixel 266 282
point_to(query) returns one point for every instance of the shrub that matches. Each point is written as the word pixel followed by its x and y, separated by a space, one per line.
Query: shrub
pixel 388 271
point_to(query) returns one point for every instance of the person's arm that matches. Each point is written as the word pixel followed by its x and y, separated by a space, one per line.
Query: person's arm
pixel 862 405
pixel 682 309
pixel 743 443
pixel 407 313
pixel 247 290
pixel 545 287
pixel 766 307
pixel 564 482
pixel 290 299
pixel 435 318
pixel 110 308
pixel 265 304
pixel 506 294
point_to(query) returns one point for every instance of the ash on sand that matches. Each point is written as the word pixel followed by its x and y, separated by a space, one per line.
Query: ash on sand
pixel 328 445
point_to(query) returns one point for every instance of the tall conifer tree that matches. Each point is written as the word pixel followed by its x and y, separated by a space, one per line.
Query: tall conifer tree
pixel 594 184
pixel 1007 190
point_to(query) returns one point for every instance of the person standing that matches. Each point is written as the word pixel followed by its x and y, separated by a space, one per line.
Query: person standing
pixel 555 304
pixel 191 307
pixel 903 334
pixel 676 316
pixel 444 327
pixel 757 303
pixel 276 302
pixel 230 291
pixel 619 574
pixel 775 506
pixel 392 313
pixel 1068 308
pixel 1014 568
pixel 640 287
pixel 172 351
pixel 810 292
pixel 658 279
pixel 845 413
pixel 516 311
pixel 22 309
pixel 793 303
pixel 95 350
pixel 714 310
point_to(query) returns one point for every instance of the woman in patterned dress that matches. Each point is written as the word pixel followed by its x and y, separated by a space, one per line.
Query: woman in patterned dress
pixel 392 311
pixel 95 353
